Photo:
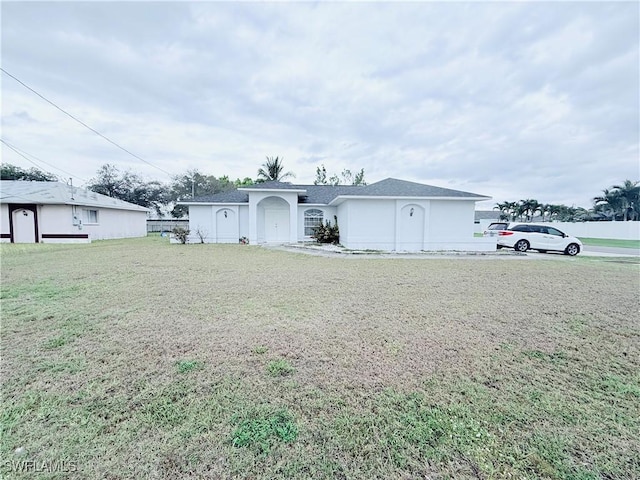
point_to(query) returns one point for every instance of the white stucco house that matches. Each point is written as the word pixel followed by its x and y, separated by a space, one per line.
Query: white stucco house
pixel 54 212
pixel 391 215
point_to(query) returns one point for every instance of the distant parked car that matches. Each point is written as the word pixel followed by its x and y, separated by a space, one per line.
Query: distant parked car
pixel 544 238
pixel 493 229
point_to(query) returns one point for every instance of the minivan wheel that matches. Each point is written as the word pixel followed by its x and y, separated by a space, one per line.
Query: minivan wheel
pixel 521 246
pixel 572 249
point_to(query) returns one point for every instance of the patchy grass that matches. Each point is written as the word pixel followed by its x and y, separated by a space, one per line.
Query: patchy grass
pixel 260 427
pixel 611 242
pixel 280 368
pixel 185 366
pixel 135 367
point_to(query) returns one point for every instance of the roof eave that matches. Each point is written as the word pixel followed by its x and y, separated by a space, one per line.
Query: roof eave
pixel 186 202
pixel 341 198
pixel 275 190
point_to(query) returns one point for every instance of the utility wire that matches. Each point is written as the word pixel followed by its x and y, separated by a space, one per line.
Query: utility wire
pixel 82 123
pixel 23 154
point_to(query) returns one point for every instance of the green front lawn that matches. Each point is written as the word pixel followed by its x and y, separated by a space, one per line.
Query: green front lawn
pixel 140 359
pixel 611 242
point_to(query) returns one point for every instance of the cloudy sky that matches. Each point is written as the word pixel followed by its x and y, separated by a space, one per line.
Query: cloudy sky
pixel 512 100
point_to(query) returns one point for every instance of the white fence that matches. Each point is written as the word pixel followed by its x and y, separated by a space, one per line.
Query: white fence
pixel 616 230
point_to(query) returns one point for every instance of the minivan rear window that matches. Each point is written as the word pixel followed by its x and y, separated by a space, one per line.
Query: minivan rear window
pixel 497 226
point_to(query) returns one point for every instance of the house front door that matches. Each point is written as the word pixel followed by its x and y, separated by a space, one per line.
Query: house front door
pixel 24 226
pixel 276 225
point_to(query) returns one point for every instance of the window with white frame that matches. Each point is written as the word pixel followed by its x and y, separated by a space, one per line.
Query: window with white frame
pixel 89 216
pixel 312 218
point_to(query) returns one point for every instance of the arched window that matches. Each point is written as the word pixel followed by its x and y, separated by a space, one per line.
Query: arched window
pixel 312 218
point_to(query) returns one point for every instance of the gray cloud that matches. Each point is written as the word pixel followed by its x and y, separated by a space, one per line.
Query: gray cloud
pixel 514 100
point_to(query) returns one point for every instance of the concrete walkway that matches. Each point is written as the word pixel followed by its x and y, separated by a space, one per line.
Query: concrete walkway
pixel 325 250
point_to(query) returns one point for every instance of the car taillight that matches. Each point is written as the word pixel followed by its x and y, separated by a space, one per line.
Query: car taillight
pixel 504 232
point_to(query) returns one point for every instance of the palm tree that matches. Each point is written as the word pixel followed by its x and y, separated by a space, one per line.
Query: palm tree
pixel 609 203
pixel 528 208
pixel 513 210
pixel 554 211
pixel 629 193
pixel 534 207
pixel 504 209
pixel 545 209
pixel 273 171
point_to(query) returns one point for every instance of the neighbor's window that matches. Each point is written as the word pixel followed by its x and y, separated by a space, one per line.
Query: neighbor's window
pixel 90 216
pixel 312 218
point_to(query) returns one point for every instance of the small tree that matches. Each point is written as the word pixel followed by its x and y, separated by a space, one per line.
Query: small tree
pixel 182 234
pixel 202 234
pixel 327 233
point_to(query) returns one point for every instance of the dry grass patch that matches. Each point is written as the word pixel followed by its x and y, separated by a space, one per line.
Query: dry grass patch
pixel 140 359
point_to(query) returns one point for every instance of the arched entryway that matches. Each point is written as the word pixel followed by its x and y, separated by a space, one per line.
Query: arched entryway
pixel 411 235
pixel 273 220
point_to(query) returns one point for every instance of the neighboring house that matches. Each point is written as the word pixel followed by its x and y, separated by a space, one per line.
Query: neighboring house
pixel 392 215
pixel 53 212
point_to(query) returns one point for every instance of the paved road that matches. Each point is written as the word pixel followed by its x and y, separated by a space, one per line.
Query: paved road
pixel 610 251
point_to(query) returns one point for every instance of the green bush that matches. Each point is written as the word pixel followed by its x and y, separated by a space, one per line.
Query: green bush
pixel 181 234
pixel 327 233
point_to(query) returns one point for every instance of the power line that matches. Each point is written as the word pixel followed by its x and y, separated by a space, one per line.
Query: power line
pixel 23 154
pixel 83 124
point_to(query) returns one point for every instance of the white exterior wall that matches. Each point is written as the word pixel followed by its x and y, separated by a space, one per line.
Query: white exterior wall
pixel 214 226
pixel 451 224
pixel 58 220
pixel 343 224
pixel 371 225
pixel 243 215
pixel 4 222
pixel 201 218
pixel 114 223
pixel 452 227
pixel 410 225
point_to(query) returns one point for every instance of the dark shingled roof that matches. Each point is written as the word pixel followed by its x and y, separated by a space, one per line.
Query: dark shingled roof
pixel 392 187
pixel 230 196
pixel 325 194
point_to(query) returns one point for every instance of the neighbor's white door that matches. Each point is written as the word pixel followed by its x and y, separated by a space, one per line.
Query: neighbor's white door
pixel 24 226
pixel 276 225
